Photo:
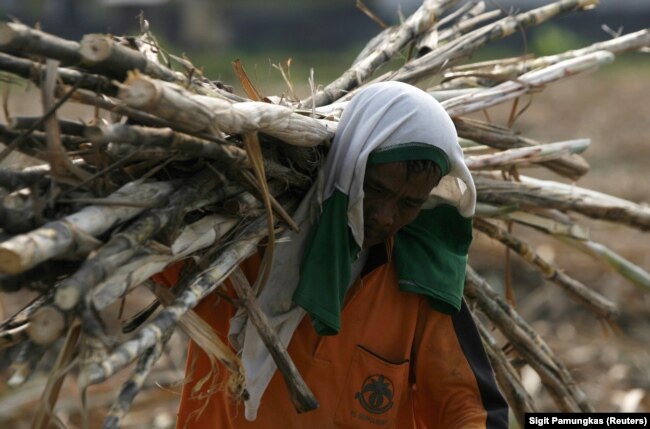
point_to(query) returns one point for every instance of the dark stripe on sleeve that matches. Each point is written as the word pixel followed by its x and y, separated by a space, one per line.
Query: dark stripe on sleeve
pixel 470 343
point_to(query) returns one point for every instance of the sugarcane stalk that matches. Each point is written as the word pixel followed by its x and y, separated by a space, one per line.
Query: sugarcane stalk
pixel 202 333
pixel 527 155
pixel 55 381
pixel 499 70
pixel 482 75
pixel 547 194
pixel 567 395
pixel 392 43
pixel 105 54
pixel 12 335
pixel 246 205
pixel 194 237
pixel 573 166
pixel 205 337
pixel 33 71
pixel 168 139
pixel 13 179
pixel 44 169
pixel 422 67
pixel 22 316
pixel 123 245
pixel 137 115
pixel 198 113
pixel 548 221
pixel 509 90
pixel 243 204
pixel 96 52
pixel 518 399
pixel 461 13
pixel 17 214
pixel 92 348
pixel 75 232
pixel 436 37
pixel 222 194
pixel 8 136
pixel 24 363
pixel 597 303
pixel 462 10
pixel 19 39
pixel 187 299
pixel 210 229
pixel 301 396
pixel 132 386
pixel 102 52
pixel 147 157
pixel 111 105
pixel 632 272
pixel 32 145
pixel 66 127
pixel 466 25
pixel 618 45
pixel 229 158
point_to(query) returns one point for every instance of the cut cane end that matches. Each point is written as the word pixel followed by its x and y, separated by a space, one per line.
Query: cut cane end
pixel 7 33
pixel 46 325
pixel 138 92
pixel 66 298
pixel 10 262
pixel 95 47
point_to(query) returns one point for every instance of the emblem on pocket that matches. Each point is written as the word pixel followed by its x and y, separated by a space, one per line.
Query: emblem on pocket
pixel 376 395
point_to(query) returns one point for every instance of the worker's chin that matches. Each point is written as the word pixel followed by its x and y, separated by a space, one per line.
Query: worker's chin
pixel 368 242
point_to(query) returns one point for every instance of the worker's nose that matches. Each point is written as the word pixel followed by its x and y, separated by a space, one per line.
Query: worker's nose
pixel 383 216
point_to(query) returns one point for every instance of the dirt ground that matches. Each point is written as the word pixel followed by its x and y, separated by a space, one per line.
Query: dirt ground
pixel 612 366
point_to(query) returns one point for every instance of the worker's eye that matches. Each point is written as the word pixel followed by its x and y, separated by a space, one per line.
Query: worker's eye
pixel 410 204
pixel 372 188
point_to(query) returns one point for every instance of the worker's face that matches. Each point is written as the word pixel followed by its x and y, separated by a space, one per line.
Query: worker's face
pixel 392 200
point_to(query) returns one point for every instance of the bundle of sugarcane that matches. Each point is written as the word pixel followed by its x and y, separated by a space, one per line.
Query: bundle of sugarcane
pixel 185 169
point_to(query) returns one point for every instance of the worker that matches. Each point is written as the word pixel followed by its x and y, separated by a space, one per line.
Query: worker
pixel 368 295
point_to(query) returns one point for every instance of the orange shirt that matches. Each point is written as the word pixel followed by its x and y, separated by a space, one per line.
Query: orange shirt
pixel 396 363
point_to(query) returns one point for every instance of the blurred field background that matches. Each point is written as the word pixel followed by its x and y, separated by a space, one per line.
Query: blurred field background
pixel 610 106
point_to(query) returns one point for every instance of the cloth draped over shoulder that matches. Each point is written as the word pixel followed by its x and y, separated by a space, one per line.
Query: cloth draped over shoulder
pixel 385 122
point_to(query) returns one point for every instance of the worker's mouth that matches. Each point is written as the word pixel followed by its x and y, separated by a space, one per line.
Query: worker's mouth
pixel 372 236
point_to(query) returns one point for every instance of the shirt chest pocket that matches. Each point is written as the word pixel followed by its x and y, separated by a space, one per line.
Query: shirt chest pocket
pixel 373 393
